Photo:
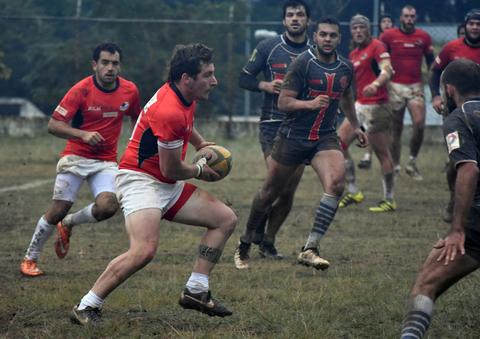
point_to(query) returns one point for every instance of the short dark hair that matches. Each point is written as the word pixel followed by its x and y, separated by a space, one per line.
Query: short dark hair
pixel 463 74
pixel 330 20
pixel 109 47
pixel 188 59
pixel 459 27
pixel 295 3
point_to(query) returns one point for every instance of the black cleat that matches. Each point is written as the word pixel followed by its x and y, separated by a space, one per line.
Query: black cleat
pixel 86 317
pixel 267 250
pixel 203 302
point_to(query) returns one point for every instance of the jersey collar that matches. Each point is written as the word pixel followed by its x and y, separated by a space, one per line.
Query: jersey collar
pixel 97 85
pixel 179 94
pixel 293 44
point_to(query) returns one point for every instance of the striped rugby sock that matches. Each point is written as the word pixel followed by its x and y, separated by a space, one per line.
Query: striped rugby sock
pixel 323 218
pixel 418 318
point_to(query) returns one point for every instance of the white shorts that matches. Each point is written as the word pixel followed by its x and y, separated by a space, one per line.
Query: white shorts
pixel 137 191
pixel 73 170
pixel 401 94
pixel 374 117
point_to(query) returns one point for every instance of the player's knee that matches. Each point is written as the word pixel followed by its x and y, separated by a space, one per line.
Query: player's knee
pixel 337 186
pixel 229 222
pixel 106 208
pixel 143 255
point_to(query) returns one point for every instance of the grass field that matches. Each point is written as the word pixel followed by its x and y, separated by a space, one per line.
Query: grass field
pixel 374 261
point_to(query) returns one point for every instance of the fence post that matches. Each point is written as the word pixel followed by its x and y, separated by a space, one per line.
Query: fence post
pixel 230 73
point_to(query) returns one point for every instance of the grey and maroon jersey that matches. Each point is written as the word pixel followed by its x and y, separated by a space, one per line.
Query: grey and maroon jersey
pixel 272 56
pixel 310 78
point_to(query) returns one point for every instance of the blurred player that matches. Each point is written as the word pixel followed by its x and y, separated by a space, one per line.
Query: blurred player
pixel 372 70
pixel 316 82
pixel 407 46
pixel 90 117
pixel 458 253
pixel 151 186
pixel 385 22
pixel 272 57
pixel 468 48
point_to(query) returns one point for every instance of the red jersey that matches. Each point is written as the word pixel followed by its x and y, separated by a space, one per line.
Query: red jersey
pixel 92 108
pixel 407 51
pixel 166 121
pixel 366 69
pixel 456 49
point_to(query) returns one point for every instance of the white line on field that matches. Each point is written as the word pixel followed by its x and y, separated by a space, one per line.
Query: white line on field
pixel 26 186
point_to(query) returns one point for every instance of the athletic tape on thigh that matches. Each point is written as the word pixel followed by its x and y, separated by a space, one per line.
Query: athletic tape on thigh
pixel 209 254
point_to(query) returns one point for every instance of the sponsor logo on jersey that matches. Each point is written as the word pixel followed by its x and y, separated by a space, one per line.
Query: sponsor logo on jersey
pixel 363 56
pixel 124 106
pixel 453 141
pixel 408 45
pixel 110 114
pixel 384 55
pixel 94 108
pixel 253 56
pixel 60 110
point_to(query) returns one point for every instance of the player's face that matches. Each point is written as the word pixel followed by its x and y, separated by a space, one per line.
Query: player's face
pixel 385 24
pixel 408 19
pixel 360 33
pixel 295 20
pixel 472 30
pixel 461 32
pixel 204 82
pixel 107 68
pixel 327 38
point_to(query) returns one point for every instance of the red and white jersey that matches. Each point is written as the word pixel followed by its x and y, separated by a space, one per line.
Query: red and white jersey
pixel 91 108
pixel 366 69
pixel 456 49
pixel 165 121
pixel 407 51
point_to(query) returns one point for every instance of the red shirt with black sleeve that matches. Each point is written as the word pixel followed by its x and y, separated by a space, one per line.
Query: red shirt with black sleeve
pixel 407 51
pixel 89 107
pixel 366 68
pixel 165 121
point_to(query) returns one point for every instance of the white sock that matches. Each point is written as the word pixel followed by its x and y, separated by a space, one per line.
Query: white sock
pixel 197 283
pixel 81 217
pixel 40 236
pixel 92 300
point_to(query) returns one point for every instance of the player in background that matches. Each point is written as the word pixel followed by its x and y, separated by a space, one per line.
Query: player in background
pixel 385 22
pixel 407 46
pixel 467 47
pixel 151 187
pixel 272 57
pixel 458 253
pixel 90 117
pixel 316 83
pixel 372 70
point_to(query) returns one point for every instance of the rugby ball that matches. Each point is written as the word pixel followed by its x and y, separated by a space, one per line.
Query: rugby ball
pixel 218 158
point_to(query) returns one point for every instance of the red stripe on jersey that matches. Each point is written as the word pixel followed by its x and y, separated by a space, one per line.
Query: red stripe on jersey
pixel 279 65
pixel 321 114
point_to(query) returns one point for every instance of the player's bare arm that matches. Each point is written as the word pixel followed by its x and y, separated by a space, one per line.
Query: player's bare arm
pixel 384 76
pixel 288 102
pixel 467 177
pixel 63 130
pixel 434 82
pixel 348 107
pixel 272 87
pixel 172 166
pixel 198 141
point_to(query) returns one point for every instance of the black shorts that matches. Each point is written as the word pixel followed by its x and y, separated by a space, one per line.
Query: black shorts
pixel 289 152
pixel 472 233
pixel 267 134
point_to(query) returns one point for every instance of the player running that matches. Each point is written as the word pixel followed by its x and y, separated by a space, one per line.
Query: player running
pixel 272 57
pixel 90 118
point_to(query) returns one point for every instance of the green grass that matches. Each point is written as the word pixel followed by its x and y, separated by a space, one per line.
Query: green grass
pixel 374 261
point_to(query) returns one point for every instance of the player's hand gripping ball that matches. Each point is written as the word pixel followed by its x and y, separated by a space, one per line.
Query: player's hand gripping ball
pixel 218 158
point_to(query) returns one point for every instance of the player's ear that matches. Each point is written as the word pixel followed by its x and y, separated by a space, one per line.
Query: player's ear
pixel 94 65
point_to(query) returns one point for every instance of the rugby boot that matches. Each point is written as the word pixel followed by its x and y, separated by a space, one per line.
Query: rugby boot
pixel 62 240
pixel 29 268
pixel 384 206
pixel 267 250
pixel 365 162
pixel 87 317
pixel 350 198
pixel 310 257
pixel 203 302
pixel 241 256
pixel 413 171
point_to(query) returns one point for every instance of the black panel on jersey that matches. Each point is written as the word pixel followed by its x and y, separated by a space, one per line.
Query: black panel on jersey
pixel 148 146
pixel 77 120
